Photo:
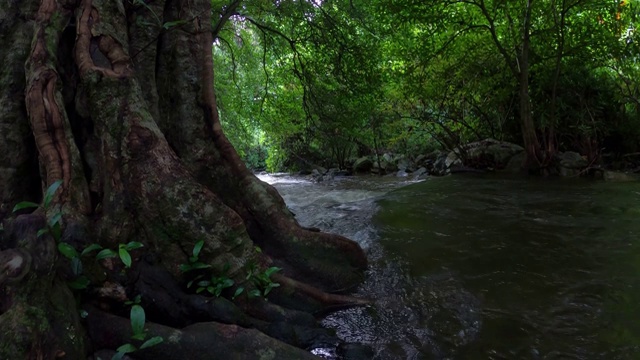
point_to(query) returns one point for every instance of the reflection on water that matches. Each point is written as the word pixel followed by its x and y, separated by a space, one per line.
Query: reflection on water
pixel 487 268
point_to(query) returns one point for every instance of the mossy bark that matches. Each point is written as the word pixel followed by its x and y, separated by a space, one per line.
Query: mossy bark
pixel 123 111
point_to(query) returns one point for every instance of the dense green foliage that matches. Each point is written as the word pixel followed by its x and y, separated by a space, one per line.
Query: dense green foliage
pixel 319 82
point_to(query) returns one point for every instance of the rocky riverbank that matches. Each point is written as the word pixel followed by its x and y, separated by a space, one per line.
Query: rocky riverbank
pixel 488 155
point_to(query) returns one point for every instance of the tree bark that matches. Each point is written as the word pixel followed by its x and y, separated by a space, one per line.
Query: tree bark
pixel 116 99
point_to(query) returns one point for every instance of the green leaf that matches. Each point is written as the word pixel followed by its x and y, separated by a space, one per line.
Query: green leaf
pixel 134 245
pixel 196 249
pixel 226 283
pixel 48 195
pixel 152 342
pixel 137 317
pixel 56 231
pixel 24 205
pixel 200 289
pixel 139 336
pixel 211 290
pixel 184 268
pixel 238 291
pixel 76 266
pixel 200 265
pixel 106 253
pixel 90 248
pixel 84 314
pixel 272 270
pixel 67 250
pixel 80 283
pixel 255 293
pixel 126 348
pixel 55 219
pixel 194 279
pixel 125 257
pixel 117 356
pixel 42 232
pixel 269 287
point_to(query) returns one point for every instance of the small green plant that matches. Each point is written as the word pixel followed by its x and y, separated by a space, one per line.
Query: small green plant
pixel 138 318
pixel 262 280
pixel 53 226
pixel 123 252
pixel 81 281
pixel 194 262
pixel 216 284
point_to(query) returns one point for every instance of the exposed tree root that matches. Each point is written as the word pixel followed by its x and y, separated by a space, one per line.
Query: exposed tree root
pixel 203 340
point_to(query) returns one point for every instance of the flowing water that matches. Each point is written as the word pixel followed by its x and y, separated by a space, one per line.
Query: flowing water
pixel 466 267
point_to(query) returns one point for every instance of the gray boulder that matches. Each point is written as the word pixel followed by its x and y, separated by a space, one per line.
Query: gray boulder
pixel 420 171
pixel 616 176
pixel 402 173
pixel 485 154
pixel 362 165
pixel 570 163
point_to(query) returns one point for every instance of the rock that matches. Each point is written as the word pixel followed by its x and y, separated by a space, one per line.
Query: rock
pixel 571 160
pixel 441 165
pixel 354 351
pixel 403 164
pixel 316 175
pixel 515 164
pixel 487 154
pixel 402 173
pixel 616 176
pixel 570 163
pixel 387 157
pixel 419 159
pixel 362 165
pixel 420 171
pixel 434 155
pixel 386 166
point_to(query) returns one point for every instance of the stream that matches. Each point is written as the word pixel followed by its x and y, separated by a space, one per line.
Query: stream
pixel 484 267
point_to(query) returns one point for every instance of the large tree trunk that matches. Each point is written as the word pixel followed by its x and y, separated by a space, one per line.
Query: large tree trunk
pixel 101 96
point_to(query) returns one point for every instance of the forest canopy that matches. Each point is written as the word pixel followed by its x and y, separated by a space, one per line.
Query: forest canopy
pixel 320 82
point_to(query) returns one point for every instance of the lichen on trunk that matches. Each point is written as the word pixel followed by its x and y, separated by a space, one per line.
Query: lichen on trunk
pixel 122 110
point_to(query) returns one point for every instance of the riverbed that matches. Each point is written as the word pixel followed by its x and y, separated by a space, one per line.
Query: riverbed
pixel 485 267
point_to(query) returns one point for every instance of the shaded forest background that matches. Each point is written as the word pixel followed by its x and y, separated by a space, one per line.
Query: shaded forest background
pixel 321 82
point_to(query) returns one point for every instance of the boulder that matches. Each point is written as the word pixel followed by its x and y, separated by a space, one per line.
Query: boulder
pixel 485 154
pixel 420 171
pixel 571 160
pixel 362 165
pixel 515 164
pixel 570 163
pixel 616 176
pixel 404 164
pixel 441 164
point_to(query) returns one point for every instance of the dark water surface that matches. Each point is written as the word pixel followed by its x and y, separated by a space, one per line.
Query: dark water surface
pixel 486 267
